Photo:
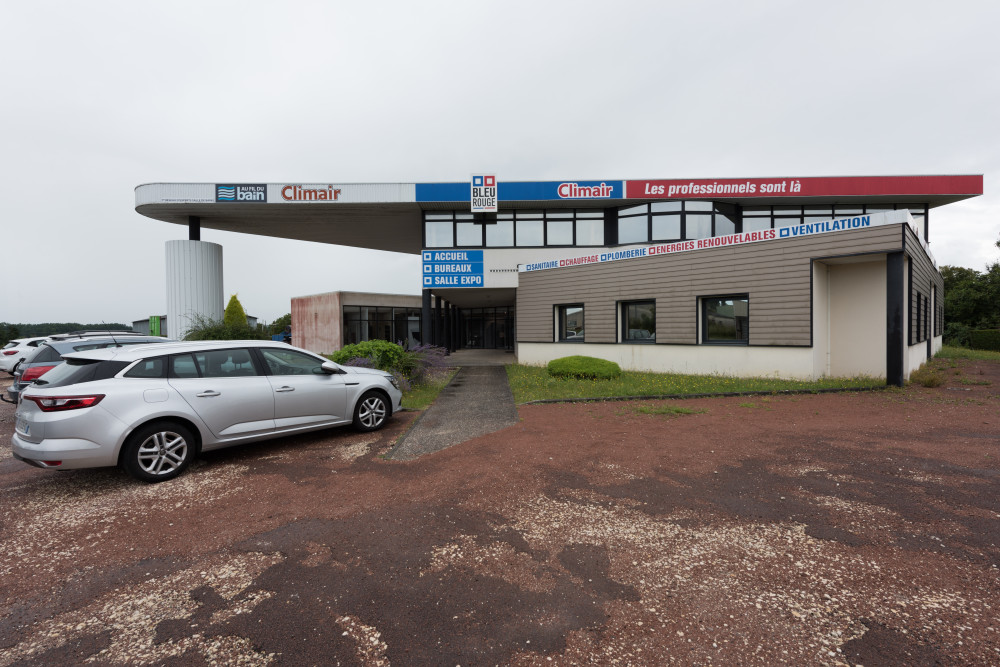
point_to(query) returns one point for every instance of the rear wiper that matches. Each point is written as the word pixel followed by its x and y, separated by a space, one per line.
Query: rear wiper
pixel 40 382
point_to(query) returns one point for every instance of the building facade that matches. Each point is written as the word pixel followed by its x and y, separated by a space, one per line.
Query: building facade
pixel 797 277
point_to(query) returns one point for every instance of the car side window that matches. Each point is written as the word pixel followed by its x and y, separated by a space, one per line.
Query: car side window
pixel 291 362
pixel 225 363
pixel 148 368
pixel 183 366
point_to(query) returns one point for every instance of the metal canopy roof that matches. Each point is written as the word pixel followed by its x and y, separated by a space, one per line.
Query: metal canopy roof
pixel 388 216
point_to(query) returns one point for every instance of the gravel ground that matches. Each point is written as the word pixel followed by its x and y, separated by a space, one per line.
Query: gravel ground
pixel 803 530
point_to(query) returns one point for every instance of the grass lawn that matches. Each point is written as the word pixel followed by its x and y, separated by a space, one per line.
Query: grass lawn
pixel 532 383
pixel 949 352
pixel 421 396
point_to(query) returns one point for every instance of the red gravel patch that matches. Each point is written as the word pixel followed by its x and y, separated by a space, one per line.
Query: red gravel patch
pixel 857 528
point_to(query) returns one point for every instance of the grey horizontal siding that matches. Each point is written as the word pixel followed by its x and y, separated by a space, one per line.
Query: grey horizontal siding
pixel 776 274
pixel 923 276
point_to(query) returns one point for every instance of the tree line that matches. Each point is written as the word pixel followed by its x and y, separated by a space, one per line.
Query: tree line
pixel 9 331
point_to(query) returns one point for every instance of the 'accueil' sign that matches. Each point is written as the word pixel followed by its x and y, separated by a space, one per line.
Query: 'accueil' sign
pixel 484 193
pixel 452 268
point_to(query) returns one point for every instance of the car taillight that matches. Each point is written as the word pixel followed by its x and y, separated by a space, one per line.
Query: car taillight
pixel 35 372
pixel 7 353
pixel 58 403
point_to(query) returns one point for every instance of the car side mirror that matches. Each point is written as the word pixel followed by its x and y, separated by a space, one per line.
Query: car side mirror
pixel 331 368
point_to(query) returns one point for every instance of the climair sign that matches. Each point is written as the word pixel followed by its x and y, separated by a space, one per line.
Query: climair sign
pixel 453 268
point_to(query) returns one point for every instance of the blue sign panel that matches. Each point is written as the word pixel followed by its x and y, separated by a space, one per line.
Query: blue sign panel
pixel 525 191
pixel 453 268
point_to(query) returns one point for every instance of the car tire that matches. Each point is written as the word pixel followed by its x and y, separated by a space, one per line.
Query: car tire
pixel 371 411
pixel 158 451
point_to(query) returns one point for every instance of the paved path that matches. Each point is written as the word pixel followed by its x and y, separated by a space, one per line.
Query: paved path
pixel 477 401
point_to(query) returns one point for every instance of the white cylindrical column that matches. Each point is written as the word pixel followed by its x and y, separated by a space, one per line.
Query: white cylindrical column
pixel 194 284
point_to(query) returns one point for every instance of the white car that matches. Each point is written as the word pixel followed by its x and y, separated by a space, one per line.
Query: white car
pixel 16 350
pixel 151 408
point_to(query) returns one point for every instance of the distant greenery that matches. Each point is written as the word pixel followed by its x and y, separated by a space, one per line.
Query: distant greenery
pixel 985 339
pixel 206 328
pixel 277 326
pixel 531 383
pixel 953 352
pixel 581 367
pixel 10 331
pixel 971 301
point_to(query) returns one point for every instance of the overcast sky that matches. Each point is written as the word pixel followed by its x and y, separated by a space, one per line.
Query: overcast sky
pixel 99 97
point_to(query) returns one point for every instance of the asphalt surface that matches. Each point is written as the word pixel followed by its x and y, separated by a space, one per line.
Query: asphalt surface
pixel 477 401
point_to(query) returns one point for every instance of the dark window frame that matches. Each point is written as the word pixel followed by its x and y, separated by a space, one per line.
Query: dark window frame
pixel 560 322
pixel 703 302
pixel 623 321
pixel 576 216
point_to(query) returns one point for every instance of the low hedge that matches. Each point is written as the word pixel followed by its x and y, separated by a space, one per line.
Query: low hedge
pixel 985 339
pixel 385 355
pixel 589 368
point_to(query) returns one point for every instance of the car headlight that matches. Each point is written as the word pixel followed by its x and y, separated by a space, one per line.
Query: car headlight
pixel 392 380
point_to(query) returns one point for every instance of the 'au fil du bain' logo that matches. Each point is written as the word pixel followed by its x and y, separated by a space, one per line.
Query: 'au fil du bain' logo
pixel 243 193
pixel 484 193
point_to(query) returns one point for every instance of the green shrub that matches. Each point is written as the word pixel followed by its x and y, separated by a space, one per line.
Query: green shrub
pixel 579 366
pixel 383 354
pixel 985 339
pixel 956 333
pixel 926 376
pixel 235 315
pixel 205 328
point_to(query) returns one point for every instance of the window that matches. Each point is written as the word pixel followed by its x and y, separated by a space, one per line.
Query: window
pixel 677 220
pixel 148 368
pixel 590 232
pixel 291 362
pixel 439 233
pixel 225 363
pixel 530 232
pixel 638 322
pixel 725 319
pixel 560 232
pixel 183 366
pixel 519 228
pixel 469 234
pixel 500 234
pixel 569 322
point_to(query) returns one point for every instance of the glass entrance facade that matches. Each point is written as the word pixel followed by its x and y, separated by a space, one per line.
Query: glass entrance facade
pixel 487 328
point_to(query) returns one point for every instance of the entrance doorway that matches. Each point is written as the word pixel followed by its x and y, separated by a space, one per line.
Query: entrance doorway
pixel 487 328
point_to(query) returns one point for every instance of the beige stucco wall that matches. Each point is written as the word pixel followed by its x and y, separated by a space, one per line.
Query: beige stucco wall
pixel 857 319
pixel 735 360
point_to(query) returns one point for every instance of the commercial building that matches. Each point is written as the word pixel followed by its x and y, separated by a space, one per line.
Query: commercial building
pixel 796 277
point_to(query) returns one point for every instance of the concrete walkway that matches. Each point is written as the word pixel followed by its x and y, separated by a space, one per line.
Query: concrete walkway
pixel 477 401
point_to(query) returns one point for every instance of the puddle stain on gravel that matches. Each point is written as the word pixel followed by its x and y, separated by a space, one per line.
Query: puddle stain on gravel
pixel 141 623
pixel 433 595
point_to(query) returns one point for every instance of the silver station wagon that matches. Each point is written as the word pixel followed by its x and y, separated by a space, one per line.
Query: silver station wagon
pixel 151 408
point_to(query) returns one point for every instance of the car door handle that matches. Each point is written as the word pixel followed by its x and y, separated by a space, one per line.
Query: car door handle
pixel 205 394
pixel 285 388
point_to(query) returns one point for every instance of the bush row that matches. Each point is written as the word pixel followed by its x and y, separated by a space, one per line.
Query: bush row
pixel 985 339
pixel 409 366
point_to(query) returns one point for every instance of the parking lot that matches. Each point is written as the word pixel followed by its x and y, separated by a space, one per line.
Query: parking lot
pixel 859 528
